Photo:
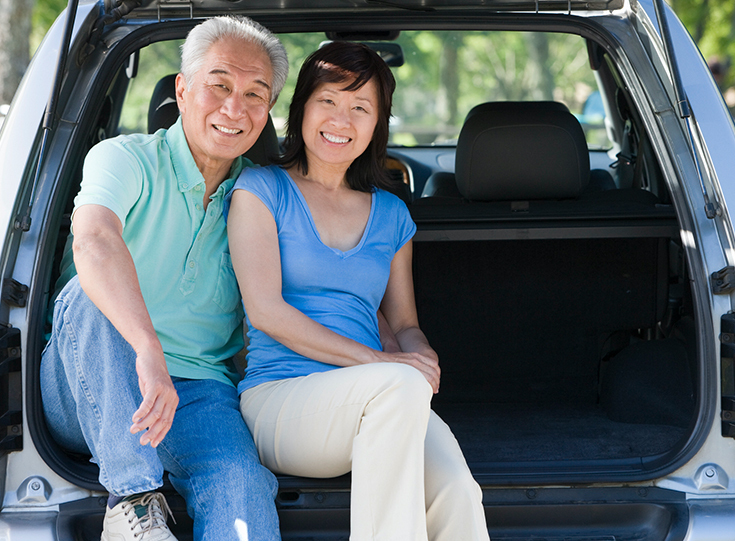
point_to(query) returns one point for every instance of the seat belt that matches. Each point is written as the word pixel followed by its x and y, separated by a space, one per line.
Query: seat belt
pixel 626 160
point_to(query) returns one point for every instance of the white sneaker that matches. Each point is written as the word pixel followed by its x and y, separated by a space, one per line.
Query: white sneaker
pixel 138 518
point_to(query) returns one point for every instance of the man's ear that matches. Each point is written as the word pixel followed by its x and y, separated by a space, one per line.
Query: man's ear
pixel 272 105
pixel 180 89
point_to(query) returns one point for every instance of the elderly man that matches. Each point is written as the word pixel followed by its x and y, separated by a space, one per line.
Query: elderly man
pixel 138 369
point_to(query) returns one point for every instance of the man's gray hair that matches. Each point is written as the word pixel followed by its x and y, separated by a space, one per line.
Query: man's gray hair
pixel 206 34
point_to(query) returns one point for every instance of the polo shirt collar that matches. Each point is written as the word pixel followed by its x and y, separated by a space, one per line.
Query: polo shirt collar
pixel 185 168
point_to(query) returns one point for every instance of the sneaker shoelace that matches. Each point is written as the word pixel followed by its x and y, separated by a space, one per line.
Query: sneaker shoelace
pixel 150 511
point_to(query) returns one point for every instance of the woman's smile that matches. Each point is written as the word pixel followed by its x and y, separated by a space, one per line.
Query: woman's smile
pixel 335 138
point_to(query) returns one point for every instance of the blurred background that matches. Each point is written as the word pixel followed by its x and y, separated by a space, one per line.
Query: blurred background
pixel 711 23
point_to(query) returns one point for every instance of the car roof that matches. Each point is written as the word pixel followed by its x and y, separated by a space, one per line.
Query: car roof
pixel 209 7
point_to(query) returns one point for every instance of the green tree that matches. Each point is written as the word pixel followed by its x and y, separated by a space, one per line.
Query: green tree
pixel 15 25
pixel 712 26
pixel 45 13
pixel 299 46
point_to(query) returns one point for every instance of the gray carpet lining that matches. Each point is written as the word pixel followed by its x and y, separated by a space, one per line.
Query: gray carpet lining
pixel 521 432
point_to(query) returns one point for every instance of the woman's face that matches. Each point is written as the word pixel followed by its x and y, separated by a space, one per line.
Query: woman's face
pixel 338 125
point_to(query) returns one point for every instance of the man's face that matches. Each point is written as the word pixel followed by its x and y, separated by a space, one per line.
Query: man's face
pixel 227 105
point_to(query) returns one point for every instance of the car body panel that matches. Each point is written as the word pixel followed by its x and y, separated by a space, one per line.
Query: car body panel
pixel 687 496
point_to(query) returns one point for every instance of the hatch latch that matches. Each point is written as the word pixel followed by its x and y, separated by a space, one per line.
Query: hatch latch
pixel 11 414
pixel 723 281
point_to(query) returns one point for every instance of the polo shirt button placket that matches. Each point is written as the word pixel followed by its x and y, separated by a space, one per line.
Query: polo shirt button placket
pixel 186 285
pixel 198 205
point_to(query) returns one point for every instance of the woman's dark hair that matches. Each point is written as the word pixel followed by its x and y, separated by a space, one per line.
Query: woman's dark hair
pixel 334 63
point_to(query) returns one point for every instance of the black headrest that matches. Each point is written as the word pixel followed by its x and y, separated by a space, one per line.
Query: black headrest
pixel 162 109
pixel 521 151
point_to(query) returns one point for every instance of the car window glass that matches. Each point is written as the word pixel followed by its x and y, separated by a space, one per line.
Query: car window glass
pixel 444 75
pixel 156 61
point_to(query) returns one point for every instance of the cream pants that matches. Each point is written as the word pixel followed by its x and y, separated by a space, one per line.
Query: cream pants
pixel 410 480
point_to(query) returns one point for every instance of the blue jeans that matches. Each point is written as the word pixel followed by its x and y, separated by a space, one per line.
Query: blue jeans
pixel 90 391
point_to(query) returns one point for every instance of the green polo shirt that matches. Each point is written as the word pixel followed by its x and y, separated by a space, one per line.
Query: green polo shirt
pixel 153 185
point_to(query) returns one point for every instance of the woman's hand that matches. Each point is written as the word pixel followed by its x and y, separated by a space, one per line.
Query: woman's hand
pixel 427 364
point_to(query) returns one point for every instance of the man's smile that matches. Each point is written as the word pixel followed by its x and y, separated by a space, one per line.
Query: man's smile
pixel 230 131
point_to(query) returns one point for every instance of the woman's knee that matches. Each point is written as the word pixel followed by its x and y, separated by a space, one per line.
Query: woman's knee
pixel 400 392
pixel 405 380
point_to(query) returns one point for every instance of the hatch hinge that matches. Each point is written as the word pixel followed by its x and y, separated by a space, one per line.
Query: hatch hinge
pixel 22 223
pixel 113 12
pixel 14 293
pixel 723 281
pixel 11 414
pixel 175 4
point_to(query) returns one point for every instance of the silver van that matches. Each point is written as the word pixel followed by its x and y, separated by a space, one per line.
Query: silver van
pixel 569 165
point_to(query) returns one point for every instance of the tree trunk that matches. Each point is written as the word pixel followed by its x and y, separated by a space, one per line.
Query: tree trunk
pixel 539 60
pixel 15 29
pixel 701 22
pixel 450 77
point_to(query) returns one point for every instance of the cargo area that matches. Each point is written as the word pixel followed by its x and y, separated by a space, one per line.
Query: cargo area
pixel 552 350
pixel 557 299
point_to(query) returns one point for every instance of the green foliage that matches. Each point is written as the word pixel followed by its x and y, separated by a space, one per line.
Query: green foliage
pixel 712 26
pixel 433 98
pixel 155 61
pixel 299 46
pixel 45 13
pixel 444 75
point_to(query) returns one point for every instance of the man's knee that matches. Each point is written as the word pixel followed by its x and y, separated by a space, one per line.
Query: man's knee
pixel 253 478
pixel 210 442
pixel 232 477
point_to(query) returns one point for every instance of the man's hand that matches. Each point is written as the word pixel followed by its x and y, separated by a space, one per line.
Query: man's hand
pixel 156 412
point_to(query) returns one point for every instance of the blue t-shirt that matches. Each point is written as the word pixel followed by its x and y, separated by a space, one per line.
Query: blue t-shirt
pixel 340 290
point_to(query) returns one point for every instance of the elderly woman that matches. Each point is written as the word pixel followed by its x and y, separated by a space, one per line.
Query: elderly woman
pixel 319 248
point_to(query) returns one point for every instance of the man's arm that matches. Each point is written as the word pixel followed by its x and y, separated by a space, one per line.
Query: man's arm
pixel 107 275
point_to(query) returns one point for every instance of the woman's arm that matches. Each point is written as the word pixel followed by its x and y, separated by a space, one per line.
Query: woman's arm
pixel 399 308
pixel 254 248
pixel 387 338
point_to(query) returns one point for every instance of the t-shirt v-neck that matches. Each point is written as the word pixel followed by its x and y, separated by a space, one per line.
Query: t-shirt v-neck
pixel 310 217
pixel 339 290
